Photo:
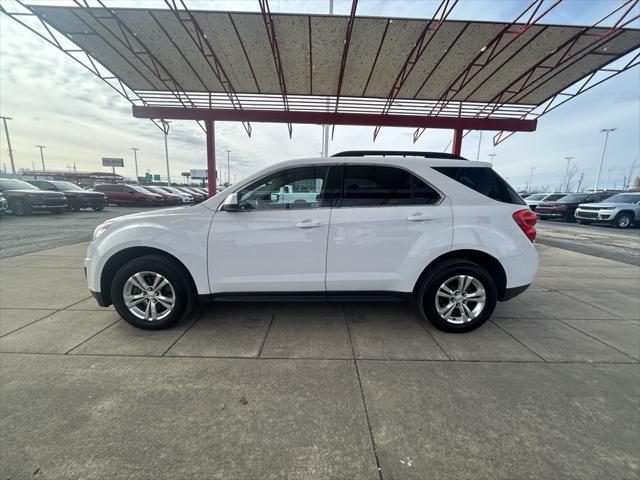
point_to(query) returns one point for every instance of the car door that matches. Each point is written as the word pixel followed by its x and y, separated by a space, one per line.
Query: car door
pixel 386 226
pixel 275 242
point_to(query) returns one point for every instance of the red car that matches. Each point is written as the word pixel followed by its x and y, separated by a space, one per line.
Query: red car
pixel 169 198
pixel 129 195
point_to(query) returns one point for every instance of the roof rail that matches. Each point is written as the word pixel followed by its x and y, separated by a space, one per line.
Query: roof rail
pixel 396 153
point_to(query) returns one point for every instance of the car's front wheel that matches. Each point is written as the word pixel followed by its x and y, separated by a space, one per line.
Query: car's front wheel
pixel 458 297
pixel 623 220
pixel 152 292
pixel 20 207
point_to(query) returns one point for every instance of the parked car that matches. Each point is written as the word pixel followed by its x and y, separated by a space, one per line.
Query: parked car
pixel 448 232
pixel 120 194
pixel 565 207
pixel 169 198
pixel 23 198
pixel 185 197
pixel 77 197
pixel 534 200
pixel 3 205
pixel 621 210
pixel 197 196
pixel 204 191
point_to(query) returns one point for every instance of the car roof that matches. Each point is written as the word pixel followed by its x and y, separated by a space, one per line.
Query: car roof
pixel 381 160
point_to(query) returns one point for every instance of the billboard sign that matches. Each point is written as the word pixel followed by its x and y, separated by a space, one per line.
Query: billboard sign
pixel 156 178
pixel 199 173
pixel 112 162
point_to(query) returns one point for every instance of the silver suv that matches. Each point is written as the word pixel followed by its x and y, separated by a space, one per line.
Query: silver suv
pixel 622 210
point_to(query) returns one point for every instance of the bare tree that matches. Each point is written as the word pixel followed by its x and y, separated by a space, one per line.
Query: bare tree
pixel 627 178
pixel 572 171
pixel 636 184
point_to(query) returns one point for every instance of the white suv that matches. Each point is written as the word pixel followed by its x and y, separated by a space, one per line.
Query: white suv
pixel 448 232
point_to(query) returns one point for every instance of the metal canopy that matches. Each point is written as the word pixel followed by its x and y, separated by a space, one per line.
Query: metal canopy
pixel 159 51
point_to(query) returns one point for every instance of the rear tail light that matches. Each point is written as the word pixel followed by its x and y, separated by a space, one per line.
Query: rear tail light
pixel 526 220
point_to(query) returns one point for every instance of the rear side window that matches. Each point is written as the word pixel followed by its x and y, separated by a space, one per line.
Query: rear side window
pixel 483 180
pixel 376 185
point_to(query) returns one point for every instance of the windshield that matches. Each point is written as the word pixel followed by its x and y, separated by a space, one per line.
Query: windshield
pixel 10 184
pixel 554 196
pixel 624 198
pixel 172 190
pixel 66 185
pixel 575 197
pixel 154 189
pixel 537 196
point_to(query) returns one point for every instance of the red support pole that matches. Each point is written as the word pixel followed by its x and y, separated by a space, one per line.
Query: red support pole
pixel 211 157
pixel 456 145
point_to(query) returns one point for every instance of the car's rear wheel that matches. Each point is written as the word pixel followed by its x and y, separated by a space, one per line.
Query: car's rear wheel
pixel 20 207
pixel 458 297
pixel 623 220
pixel 152 292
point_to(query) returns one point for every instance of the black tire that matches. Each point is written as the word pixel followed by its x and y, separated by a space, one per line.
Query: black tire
pixel 168 268
pixel 427 291
pixel 569 217
pixel 140 202
pixel 623 220
pixel 97 209
pixel 583 222
pixel 56 211
pixel 20 207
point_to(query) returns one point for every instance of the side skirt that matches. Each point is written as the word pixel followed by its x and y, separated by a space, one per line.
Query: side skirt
pixel 346 296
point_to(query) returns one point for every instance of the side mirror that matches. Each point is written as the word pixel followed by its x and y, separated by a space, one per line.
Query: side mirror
pixel 230 203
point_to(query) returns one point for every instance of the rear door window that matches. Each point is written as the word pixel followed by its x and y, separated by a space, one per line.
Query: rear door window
pixel 378 185
pixel 483 180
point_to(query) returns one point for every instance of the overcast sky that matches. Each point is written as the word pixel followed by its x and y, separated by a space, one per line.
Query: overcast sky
pixel 55 102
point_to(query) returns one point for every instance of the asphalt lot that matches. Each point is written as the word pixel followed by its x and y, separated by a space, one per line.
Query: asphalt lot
pixel 20 235
pixel 549 388
pixel 599 240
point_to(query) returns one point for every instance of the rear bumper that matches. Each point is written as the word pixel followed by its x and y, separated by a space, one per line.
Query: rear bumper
pixel 512 292
pixel 100 299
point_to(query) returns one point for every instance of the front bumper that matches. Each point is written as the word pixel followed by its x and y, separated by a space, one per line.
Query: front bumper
pixel 595 215
pixel 93 202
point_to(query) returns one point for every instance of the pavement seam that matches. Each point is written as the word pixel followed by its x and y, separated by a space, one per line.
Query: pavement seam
pixel 362 396
pixel 94 335
pixel 520 342
pixel 568 294
pixel 31 323
pixel 319 359
pixel 195 320
pixel 264 340
pixel 598 340
pixel 423 324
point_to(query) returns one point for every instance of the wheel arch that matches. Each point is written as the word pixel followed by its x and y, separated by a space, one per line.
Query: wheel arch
pixel 485 260
pixel 631 213
pixel 123 256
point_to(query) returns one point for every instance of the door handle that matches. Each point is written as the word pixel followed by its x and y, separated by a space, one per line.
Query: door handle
pixel 308 224
pixel 419 217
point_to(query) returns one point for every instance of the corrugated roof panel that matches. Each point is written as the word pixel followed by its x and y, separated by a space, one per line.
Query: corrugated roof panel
pixel 401 36
pixel 365 38
pixel 327 40
pixel 256 42
pixel 169 42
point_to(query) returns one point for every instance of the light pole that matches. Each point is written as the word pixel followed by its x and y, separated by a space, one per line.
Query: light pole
pixel 41 147
pixel 6 131
pixel 492 155
pixel 165 129
pixel 604 149
pixel 566 173
pixel 606 186
pixel 531 169
pixel 228 167
pixel 135 160
pixel 478 152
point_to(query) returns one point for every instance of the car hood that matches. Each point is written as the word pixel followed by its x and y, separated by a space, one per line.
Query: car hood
pixel 164 212
pixel 607 205
pixel 36 192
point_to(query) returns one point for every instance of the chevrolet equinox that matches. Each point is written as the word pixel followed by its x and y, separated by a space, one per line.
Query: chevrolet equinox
pixel 450 233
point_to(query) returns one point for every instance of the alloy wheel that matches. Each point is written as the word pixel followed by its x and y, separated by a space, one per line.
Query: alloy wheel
pixel 149 296
pixel 460 299
pixel 623 221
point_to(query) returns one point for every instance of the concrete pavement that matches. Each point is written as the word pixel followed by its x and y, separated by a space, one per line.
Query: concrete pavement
pixel 548 389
